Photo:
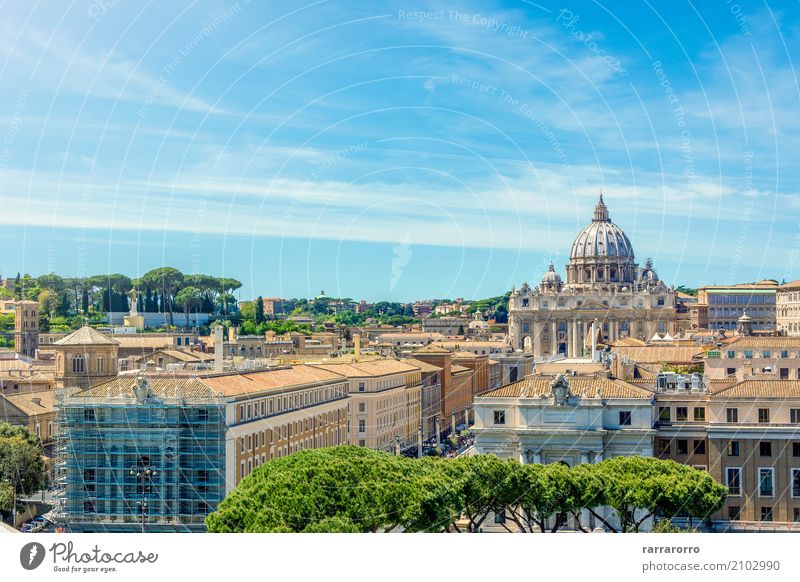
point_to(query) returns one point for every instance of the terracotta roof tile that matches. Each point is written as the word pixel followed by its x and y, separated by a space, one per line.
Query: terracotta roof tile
pixel 31 403
pixel 537 385
pixel 658 354
pixel 761 389
pixel 86 336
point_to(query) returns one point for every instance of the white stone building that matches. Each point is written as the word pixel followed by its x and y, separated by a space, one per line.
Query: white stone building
pixel 604 284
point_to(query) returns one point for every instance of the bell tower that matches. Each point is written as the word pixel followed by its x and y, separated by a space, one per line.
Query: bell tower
pixel 26 327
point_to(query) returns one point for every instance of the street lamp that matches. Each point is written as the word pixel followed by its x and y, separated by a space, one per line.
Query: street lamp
pixel 143 473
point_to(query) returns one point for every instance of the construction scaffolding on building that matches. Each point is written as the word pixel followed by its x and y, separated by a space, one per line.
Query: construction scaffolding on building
pixel 135 457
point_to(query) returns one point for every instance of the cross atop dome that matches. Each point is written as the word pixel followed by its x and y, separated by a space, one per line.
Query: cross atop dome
pixel 600 210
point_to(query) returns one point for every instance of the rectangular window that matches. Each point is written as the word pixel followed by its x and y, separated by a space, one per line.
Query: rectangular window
pixel 748 354
pixel 766 482
pixel 765 448
pixel 700 413
pixel 664 414
pixel 361 387
pixel 794 415
pixel 763 415
pixel 699 447
pixel 766 514
pixel 766 354
pixel 682 446
pixel 784 353
pixel 499 417
pixel 734 512
pixel 795 473
pixel 88 415
pixel 731 354
pixel 796 449
pixel 362 426
pixel 681 413
pixel 733 448
pixel 624 417
pixel 663 446
pixel 733 480
pixel 732 414
pixel 362 407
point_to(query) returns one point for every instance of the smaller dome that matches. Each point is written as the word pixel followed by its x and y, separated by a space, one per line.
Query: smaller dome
pixel 551 277
pixel 648 274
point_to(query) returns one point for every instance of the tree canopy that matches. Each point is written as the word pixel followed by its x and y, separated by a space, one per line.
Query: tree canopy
pixel 21 464
pixel 349 489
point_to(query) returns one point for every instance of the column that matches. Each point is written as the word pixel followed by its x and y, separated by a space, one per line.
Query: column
pixel 584 334
pixel 537 339
pixel 554 339
pixel 573 351
pixel 521 455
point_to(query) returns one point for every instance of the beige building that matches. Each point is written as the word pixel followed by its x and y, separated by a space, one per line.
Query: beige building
pixel 787 308
pixel 682 415
pixel 754 449
pixel 719 307
pixel 385 402
pixel 35 410
pixel 84 358
pixel 26 327
pixel 275 413
pixel 604 285
pixel 753 356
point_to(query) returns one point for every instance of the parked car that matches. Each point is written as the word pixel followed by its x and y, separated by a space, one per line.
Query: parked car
pixel 26 528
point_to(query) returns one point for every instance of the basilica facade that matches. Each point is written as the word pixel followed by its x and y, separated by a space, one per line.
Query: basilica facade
pixel 604 286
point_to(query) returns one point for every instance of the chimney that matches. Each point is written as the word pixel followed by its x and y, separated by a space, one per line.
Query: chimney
pixel 218 349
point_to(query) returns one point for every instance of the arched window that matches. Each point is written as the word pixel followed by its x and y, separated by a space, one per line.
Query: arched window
pixel 77 364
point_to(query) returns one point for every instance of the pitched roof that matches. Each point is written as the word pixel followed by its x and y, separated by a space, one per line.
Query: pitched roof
pixel 378 367
pixel 86 336
pixel 628 342
pixel 456 369
pixel 465 355
pixel 761 389
pixel 213 386
pixel 161 386
pixel 32 403
pixel 659 354
pixel 538 385
pixel 432 349
pixel 424 366
pixel 269 380
pixel 776 342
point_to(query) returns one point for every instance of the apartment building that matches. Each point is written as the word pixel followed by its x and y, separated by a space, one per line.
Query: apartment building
pixel 719 307
pixel 751 356
pixel 681 420
pixel 385 402
pixel 754 449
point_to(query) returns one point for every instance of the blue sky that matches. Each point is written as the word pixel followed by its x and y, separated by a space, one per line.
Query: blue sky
pixel 397 150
